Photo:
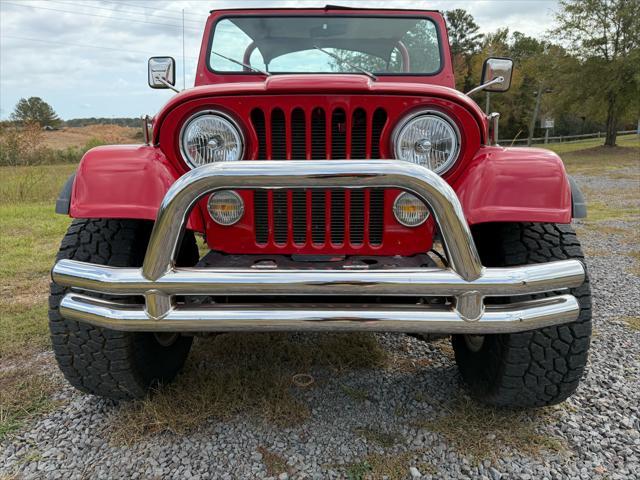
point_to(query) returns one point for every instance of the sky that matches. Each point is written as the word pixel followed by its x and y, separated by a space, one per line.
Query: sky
pixel 88 58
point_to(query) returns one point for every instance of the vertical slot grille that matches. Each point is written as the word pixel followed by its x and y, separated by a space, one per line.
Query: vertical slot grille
pixel 376 216
pixel 298 135
pixel 257 119
pixel 338 135
pixel 285 217
pixel 280 215
pixel 318 216
pixel 278 135
pixel 337 216
pixel 377 124
pixel 290 214
pixel 261 216
pixel 318 135
pixel 299 220
pixel 319 151
pixel 359 134
pixel 356 217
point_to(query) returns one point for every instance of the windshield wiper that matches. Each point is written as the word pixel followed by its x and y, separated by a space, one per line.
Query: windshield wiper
pixel 355 67
pixel 242 64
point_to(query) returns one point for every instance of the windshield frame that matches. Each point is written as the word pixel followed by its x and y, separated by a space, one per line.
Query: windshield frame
pixel 321 15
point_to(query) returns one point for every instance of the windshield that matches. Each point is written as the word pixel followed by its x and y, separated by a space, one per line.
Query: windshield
pixel 325 44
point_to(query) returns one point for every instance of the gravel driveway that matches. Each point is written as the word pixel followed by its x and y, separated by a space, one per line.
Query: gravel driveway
pixel 406 420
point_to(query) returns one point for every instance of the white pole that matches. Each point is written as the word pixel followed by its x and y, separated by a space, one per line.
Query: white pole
pixel 184 81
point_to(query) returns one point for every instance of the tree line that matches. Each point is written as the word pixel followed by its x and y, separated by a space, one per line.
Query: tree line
pixel 585 74
pixel 36 110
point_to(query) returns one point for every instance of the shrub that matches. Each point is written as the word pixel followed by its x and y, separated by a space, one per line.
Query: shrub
pixel 22 146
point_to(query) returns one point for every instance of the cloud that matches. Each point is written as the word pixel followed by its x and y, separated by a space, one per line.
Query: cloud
pixel 88 58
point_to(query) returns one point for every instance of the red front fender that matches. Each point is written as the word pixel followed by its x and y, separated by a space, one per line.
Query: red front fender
pixel 515 185
pixel 124 181
pixel 500 185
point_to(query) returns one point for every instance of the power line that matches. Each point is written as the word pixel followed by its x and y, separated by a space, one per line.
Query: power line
pixel 148 8
pixel 99 16
pixel 118 11
pixel 70 44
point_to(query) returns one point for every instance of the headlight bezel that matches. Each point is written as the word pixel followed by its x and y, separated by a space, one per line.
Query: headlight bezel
pixel 404 121
pixel 215 112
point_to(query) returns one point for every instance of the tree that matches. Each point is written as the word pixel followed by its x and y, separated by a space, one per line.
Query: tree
pixel 464 36
pixel 34 109
pixel 605 35
pixel 465 40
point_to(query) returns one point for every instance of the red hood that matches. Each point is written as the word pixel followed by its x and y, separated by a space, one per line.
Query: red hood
pixel 319 84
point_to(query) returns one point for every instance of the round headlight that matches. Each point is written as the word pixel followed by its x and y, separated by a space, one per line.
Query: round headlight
pixel 225 207
pixel 429 139
pixel 409 210
pixel 210 137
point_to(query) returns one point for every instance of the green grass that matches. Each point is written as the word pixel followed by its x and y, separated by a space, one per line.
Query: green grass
pixel 357 394
pixel 273 462
pixel 631 140
pixel 29 238
pixel 615 162
pixel 388 466
pixel 24 393
pixel 598 211
pixel 377 436
pixel 33 184
pixel 30 233
pixel 358 471
pixel 618 163
pixel 632 322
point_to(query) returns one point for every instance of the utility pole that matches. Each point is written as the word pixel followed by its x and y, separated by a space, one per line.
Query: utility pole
pixel 488 103
pixel 534 117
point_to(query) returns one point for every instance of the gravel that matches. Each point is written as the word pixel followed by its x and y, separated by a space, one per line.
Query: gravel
pixel 599 425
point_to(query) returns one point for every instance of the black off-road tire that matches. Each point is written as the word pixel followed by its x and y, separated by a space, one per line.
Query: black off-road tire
pixel 113 364
pixel 538 367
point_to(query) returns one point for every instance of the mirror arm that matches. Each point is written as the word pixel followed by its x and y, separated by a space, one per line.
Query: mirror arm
pixel 485 85
pixel 164 82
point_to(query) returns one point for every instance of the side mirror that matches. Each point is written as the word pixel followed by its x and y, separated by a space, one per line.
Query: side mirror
pixel 494 68
pixel 162 72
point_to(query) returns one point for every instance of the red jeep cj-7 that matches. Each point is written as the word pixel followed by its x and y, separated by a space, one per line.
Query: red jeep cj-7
pixel 341 184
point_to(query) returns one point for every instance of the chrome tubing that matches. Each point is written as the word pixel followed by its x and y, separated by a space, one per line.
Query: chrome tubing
pixel 422 182
pixel 516 317
pixel 467 281
pixel 508 281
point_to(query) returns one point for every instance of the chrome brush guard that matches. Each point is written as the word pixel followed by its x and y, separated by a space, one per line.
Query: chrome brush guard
pixel 466 280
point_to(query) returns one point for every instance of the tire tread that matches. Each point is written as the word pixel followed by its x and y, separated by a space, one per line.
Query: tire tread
pixel 539 367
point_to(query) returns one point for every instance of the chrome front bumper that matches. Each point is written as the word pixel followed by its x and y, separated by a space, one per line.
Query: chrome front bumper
pixel 466 281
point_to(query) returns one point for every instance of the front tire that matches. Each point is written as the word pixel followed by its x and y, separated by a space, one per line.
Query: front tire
pixel 539 367
pixel 113 364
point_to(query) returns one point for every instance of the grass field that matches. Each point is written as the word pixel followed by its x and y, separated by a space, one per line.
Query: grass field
pixel 80 136
pixel 30 233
